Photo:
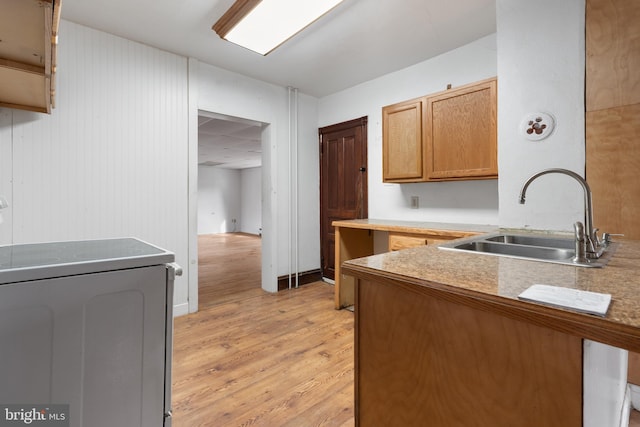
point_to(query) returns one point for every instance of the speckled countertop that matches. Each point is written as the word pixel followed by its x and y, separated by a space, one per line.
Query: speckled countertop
pixel 413 226
pixel 493 283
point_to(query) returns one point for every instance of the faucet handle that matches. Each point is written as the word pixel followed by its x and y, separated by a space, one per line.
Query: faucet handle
pixel 580 243
pixel 606 237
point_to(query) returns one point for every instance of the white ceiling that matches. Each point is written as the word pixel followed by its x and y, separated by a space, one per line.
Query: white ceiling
pixel 228 144
pixel 357 41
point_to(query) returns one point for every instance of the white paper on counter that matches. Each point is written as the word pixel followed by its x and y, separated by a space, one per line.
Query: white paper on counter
pixel 582 301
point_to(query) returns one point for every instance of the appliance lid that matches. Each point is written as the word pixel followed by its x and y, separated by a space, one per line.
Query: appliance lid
pixel 34 261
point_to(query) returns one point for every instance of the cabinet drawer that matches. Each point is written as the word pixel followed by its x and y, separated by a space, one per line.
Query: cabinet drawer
pixel 404 241
pixel 398 241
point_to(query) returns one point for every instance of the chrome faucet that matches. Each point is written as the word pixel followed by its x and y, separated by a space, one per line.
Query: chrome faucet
pixel 594 248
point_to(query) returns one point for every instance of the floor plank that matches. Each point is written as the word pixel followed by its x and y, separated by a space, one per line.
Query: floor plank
pixel 260 359
pixel 228 266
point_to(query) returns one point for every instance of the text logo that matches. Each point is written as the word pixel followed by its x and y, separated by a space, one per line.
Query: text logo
pixel 34 415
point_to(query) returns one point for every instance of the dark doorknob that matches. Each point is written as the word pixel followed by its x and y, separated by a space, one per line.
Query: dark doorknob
pixel 363 169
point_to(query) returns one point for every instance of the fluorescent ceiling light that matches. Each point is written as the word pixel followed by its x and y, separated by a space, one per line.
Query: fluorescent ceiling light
pixel 261 26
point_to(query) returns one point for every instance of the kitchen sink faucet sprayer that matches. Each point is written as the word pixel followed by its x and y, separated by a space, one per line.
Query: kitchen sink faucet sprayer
pixel 584 237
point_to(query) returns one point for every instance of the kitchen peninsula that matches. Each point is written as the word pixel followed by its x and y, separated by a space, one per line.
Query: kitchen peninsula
pixel 355 238
pixel 442 339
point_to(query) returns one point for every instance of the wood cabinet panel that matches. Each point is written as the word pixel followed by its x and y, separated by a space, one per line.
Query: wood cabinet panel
pixel 460 132
pixel 613 161
pixel 403 151
pixel 420 359
pixel 634 368
pixel 613 114
pixel 613 53
pixel 350 243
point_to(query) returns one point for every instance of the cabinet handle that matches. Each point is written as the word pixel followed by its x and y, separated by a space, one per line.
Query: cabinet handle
pixel 363 169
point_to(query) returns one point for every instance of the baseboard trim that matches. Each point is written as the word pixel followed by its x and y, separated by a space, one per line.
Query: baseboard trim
pixel 304 278
pixel 180 309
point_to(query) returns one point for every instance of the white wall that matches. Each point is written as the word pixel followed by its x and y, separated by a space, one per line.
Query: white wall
pixel 457 202
pixel 605 383
pixel 251 200
pixel 225 195
pixel 541 68
pixel 111 160
pixel 219 200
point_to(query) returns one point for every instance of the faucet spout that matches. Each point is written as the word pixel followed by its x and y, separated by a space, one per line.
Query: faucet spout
pixel 590 232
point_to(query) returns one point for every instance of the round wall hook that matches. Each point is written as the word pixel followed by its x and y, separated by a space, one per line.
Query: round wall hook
pixel 537 126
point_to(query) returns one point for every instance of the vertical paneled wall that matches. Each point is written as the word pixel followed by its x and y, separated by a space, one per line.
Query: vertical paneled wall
pixel 111 160
pixel 5 174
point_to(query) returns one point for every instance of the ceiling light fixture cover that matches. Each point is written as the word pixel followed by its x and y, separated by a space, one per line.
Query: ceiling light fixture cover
pixel 261 26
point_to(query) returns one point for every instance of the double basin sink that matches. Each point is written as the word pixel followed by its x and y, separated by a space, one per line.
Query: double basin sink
pixel 544 248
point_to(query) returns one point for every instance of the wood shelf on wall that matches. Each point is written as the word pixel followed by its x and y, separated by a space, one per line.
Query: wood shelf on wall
pixel 28 42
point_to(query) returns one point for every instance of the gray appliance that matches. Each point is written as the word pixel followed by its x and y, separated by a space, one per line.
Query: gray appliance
pixel 88 324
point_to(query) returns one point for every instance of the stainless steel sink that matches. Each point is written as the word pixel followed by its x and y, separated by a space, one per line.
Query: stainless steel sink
pixel 537 252
pixel 531 247
pixel 544 241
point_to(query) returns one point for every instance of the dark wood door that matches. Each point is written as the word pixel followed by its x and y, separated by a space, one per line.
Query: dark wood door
pixel 343 182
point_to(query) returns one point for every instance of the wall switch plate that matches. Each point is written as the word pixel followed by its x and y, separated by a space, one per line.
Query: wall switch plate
pixel 415 202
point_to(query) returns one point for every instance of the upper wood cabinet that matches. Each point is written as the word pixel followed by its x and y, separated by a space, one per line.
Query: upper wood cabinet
pixel 460 132
pixel 28 39
pixel 449 135
pixel 402 146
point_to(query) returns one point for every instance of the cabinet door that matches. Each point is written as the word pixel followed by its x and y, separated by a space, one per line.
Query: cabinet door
pixel 403 152
pixel 460 133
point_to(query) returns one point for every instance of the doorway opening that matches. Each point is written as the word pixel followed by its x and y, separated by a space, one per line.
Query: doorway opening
pixel 229 213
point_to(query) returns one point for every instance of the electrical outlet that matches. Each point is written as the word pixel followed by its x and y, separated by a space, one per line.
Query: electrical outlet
pixel 415 202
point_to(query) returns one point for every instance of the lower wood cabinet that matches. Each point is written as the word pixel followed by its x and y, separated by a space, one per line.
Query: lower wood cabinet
pixel 424 359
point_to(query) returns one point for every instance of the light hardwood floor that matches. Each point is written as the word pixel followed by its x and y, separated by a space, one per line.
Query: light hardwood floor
pixel 228 266
pixel 250 358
